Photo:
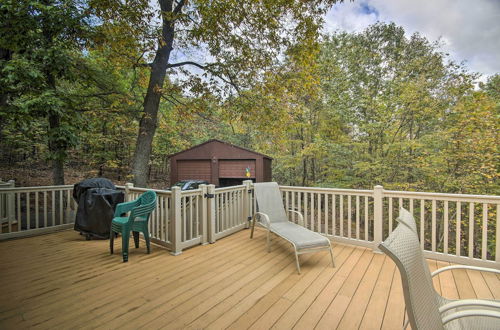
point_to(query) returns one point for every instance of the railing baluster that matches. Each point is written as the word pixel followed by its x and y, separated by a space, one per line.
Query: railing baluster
pixel 53 207
pixel 357 217
pixel 237 219
pixel 422 223
pixel 218 210
pixel 411 206
pixel 68 206
pixel 37 225
pixel 191 219
pixel 319 214
pixel 287 202
pixel 154 230
pixel 306 218
pixel 236 208
pixel 19 216
pixel 201 216
pixel 61 202
pixel 445 234
pixel 45 209
pixel 153 223
pixel 28 209
pixel 484 241
pixel 327 215
pixel 497 245
pixel 228 210
pixel 223 212
pixel 161 225
pixel 217 214
pixel 341 215
pixel 299 204
pixel 184 219
pixel 433 228
pixel 366 218
pixel 165 226
pixel 471 230
pixel 458 228
pixel 334 215
pixel 227 205
pixel 390 215
pixel 169 223
pixel 313 218
pixel 349 216
pixel 233 208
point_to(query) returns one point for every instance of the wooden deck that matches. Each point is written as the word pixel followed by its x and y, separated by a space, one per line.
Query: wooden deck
pixel 59 281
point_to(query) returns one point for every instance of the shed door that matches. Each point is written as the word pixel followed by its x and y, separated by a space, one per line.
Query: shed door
pixel 236 168
pixel 194 170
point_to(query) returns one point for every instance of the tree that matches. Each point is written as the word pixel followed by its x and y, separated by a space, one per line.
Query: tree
pixel 51 77
pixel 233 43
pixel 367 108
pixel 44 40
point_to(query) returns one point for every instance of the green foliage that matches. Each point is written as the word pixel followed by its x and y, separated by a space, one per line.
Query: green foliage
pixel 345 110
pixel 376 107
pixel 51 78
pixel 44 38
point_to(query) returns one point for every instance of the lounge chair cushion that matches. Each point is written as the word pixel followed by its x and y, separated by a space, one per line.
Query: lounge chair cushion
pixel 303 238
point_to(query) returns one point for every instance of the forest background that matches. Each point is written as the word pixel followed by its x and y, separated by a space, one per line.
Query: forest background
pixel 347 110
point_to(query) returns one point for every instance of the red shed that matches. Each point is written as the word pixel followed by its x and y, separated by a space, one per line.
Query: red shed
pixel 220 163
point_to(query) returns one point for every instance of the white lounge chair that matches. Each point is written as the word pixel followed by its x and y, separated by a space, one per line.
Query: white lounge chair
pixel 273 217
pixel 427 309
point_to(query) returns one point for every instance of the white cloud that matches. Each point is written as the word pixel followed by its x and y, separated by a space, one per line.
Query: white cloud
pixel 470 30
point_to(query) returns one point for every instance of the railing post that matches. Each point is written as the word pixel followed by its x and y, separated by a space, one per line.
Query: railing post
pixel 203 214
pixel 128 185
pixel 247 195
pixel 211 213
pixel 378 196
pixel 176 221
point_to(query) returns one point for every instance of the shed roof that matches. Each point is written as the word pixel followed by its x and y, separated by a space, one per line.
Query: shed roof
pixel 221 142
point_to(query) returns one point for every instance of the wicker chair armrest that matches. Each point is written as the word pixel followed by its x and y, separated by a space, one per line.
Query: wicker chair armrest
pixel 469 313
pixel 469 303
pixel 301 217
pixel 481 269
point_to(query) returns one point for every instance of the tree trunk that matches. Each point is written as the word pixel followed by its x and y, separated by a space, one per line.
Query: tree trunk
pixel 56 148
pixel 147 125
pixel 5 55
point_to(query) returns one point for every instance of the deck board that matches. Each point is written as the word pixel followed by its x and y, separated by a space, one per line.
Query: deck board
pixel 61 281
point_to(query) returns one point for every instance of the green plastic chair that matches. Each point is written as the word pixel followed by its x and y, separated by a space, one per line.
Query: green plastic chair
pixel 137 221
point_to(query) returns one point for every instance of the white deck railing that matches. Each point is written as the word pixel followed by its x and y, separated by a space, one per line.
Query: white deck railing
pixel 186 218
pixel 457 228
pixel 452 227
pixel 35 210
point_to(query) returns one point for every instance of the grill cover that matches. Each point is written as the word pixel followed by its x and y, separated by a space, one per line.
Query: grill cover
pixel 97 199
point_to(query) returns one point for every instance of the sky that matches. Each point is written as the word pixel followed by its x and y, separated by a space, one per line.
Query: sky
pixel 468 29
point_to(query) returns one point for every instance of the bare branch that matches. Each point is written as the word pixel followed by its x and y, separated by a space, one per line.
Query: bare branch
pixel 207 67
pixel 178 7
pixel 174 65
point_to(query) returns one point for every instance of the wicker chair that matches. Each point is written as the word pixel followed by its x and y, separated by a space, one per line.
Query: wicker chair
pixel 273 217
pixel 426 309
